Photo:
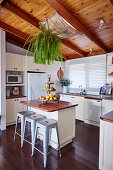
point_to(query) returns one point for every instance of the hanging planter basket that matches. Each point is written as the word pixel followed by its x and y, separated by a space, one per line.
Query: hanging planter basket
pixel 45 46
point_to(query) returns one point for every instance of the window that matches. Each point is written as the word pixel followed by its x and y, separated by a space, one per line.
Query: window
pixel 89 72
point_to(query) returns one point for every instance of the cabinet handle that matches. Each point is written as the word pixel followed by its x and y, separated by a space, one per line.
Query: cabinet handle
pixel 72 97
pixel 14 68
pixel 15 99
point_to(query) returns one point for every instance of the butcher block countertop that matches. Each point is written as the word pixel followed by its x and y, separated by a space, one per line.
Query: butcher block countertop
pixel 107 117
pixel 49 107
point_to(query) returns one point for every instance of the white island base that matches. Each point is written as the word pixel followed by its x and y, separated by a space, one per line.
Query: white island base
pixel 66 125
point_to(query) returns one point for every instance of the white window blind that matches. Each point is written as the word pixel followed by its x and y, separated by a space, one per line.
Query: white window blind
pixel 89 72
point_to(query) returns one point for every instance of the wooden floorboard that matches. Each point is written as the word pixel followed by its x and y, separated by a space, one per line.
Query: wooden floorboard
pixel 81 154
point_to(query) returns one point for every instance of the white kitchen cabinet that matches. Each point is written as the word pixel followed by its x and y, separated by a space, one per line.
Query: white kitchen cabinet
pixel 18 107
pixel 31 66
pixel 79 108
pixel 12 107
pixel 92 111
pixel 15 62
pixel 107 106
pixel 9 111
pixel 75 99
pixel 106 146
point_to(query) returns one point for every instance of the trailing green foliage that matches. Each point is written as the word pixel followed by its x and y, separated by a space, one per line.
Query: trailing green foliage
pixel 45 46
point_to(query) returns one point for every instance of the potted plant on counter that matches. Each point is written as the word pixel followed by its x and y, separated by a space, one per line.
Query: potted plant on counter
pixel 65 83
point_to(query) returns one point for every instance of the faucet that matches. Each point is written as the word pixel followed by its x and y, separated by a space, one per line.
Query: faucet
pixel 82 91
pixel 80 86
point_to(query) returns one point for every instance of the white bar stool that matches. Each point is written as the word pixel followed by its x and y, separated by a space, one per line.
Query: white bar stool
pixel 47 124
pixel 22 116
pixel 32 119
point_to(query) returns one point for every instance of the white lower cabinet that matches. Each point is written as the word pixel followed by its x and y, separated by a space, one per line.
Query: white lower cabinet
pixel 12 107
pixel 79 101
pixel 9 111
pixel 107 106
pixel 106 146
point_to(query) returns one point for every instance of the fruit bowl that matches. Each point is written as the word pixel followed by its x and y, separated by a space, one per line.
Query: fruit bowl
pixel 49 98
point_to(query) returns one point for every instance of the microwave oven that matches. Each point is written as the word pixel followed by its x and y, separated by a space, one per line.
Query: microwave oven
pixel 14 78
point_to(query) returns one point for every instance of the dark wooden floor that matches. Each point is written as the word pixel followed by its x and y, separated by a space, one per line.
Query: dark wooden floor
pixel 82 154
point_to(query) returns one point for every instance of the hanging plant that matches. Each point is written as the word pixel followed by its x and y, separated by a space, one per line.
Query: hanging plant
pixel 45 46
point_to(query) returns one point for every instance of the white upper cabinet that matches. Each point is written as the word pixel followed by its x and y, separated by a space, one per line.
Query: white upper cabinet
pixel 31 66
pixel 15 62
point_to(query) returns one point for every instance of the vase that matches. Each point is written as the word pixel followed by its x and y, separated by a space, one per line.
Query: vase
pixel 65 89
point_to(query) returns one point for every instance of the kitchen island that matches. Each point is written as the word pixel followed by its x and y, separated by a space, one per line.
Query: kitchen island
pixel 63 112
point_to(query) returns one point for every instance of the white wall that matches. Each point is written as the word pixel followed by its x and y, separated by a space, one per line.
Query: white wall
pixel 52 70
pixel 2 80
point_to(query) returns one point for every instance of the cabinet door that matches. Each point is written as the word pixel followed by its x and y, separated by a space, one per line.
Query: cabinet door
pixel 21 107
pixel 19 62
pixel 30 65
pixel 79 108
pixel 107 106
pixel 9 61
pixel 15 62
pixel 18 107
pixel 78 100
pixel 9 111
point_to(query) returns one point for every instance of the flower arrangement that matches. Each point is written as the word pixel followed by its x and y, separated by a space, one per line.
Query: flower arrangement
pixel 65 82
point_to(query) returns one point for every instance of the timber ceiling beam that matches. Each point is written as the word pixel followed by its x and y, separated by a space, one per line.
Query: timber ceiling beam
pixel 22 14
pixel 19 12
pixel 15 40
pixel 111 2
pixel 75 23
pixel 13 31
pixel 1 2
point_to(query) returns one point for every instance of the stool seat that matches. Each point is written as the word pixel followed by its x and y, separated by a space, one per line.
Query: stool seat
pixel 34 117
pixel 25 113
pixel 47 122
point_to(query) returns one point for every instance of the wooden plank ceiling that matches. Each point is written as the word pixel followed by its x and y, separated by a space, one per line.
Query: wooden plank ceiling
pixel 19 18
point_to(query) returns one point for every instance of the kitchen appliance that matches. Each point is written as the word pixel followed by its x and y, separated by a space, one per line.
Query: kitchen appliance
pixel 93 111
pixel 16 91
pixel 106 89
pixel 36 83
pixel 14 79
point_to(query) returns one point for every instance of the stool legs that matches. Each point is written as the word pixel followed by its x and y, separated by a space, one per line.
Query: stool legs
pixel 22 130
pixel 16 127
pixel 33 126
pixel 58 141
pixel 45 144
pixel 22 141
